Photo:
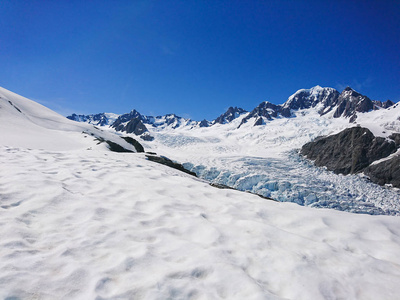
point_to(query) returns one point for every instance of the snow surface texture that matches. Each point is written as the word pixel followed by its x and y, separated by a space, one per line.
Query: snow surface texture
pixel 152 232
pixel 264 160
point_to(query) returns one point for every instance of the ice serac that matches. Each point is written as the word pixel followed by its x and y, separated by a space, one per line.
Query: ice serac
pixel 228 116
pixel 352 151
pixel 307 98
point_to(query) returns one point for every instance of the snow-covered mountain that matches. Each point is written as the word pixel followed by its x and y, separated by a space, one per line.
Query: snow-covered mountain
pixel 81 222
pixel 101 119
pixel 231 114
pixel 346 104
pixel 307 98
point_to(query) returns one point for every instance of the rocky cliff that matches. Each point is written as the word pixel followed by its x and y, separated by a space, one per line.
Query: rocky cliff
pixel 354 150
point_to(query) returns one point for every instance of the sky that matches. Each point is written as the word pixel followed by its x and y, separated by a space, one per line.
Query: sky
pixel 195 58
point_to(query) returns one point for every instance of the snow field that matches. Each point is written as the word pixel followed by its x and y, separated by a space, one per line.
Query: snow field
pixel 99 225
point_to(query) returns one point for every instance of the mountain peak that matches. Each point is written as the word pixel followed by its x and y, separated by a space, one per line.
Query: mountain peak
pixel 307 98
pixel 350 102
pixel 347 89
pixel 231 114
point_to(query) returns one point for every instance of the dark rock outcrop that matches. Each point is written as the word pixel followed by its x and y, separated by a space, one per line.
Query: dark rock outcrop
pixel 386 172
pixel 381 104
pixel 139 148
pixel 352 151
pixel 115 147
pixel 396 138
pixel 167 162
pixel 135 126
pixel 387 104
pixel 349 151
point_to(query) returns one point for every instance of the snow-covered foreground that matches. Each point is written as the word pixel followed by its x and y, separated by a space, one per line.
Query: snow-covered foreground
pixel 89 224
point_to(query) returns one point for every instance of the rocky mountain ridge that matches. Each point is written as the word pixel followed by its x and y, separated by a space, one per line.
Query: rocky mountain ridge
pixel 346 104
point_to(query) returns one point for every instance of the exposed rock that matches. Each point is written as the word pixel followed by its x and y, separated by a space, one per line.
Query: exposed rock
pixel 117 148
pixel 147 137
pixel 135 126
pixel 139 148
pixel 396 138
pixel 12 104
pixel 204 123
pixel 349 151
pixel 223 186
pixel 350 102
pixel 265 110
pixel 231 114
pixel 133 114
pixel 259 121
pixel 387 104
pixel 386 172
pixel 381 104
pixel 114 147
pixel 167 162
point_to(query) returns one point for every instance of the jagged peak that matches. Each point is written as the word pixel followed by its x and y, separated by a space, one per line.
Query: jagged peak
pixel 348 89
pixel 267 104
pixel 230 114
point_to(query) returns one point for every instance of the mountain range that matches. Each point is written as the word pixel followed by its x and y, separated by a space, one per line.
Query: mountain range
pixel 345 104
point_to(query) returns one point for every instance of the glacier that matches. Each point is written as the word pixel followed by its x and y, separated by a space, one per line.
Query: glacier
pixel 296 180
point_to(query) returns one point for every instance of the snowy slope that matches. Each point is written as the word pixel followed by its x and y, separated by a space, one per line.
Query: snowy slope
pixel 382 122
pixel 25 123
pixel 94 224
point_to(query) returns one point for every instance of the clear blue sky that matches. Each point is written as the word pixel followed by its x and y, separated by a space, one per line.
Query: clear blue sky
pixel 195 58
